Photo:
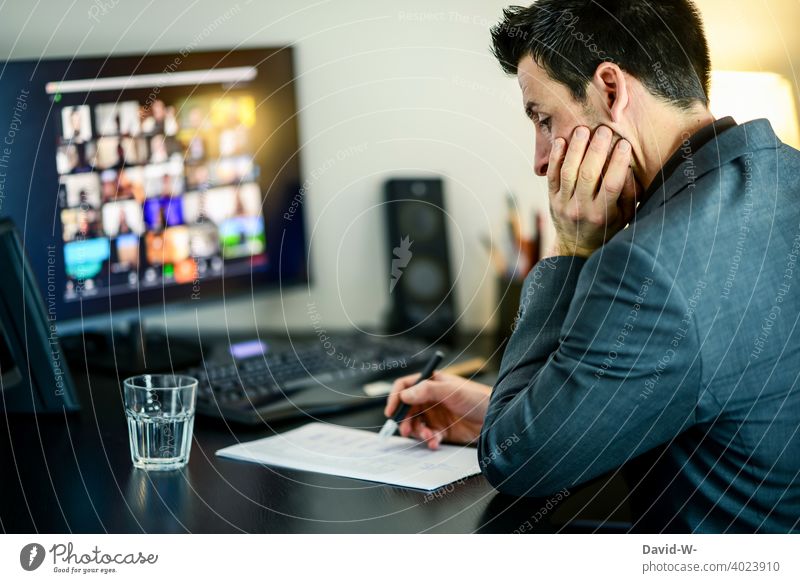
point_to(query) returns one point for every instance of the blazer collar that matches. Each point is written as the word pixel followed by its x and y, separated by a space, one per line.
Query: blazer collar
pixel 705 151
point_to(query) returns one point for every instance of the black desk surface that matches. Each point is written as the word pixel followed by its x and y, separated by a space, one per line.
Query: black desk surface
pixel 74 475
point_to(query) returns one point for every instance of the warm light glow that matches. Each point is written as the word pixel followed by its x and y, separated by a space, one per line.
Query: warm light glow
pixel 747 95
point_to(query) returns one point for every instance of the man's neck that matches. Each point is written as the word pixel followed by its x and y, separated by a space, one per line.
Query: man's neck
pixel 659 146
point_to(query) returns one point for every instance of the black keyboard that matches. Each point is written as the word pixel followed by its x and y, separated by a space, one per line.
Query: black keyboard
pixel 239 389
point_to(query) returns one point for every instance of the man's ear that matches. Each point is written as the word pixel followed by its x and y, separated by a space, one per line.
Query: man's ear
pixel 611 85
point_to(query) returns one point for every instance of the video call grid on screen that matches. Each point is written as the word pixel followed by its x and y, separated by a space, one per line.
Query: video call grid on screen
pixel 157 185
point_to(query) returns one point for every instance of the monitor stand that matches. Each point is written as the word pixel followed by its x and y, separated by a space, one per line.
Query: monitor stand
pixel 130 351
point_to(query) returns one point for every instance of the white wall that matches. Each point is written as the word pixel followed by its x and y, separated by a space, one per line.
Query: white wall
pixel 384 89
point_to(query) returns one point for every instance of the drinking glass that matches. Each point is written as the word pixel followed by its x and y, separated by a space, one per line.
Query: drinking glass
pixel 160 411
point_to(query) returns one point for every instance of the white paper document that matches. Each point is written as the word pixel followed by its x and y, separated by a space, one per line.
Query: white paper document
pixel 353 453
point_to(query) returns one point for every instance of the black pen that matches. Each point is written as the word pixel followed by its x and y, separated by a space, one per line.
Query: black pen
pixel 393 422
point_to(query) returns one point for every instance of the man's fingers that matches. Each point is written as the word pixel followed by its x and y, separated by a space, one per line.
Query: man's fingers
pixel 432 438
pixel 616 175
pixel 425 393
pixel 554 165
pixel 400 384
pixel 420 430
pixel 406 427
pixel 411 425
pixel 592 165
pixel 391 404
pixel 572 161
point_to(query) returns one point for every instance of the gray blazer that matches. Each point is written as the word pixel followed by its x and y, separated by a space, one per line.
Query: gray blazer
pixel 673 351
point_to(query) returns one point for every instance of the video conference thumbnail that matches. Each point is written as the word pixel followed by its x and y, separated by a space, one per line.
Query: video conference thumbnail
pixel 157 192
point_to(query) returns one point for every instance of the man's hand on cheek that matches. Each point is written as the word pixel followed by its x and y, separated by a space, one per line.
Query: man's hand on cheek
pixel 589 205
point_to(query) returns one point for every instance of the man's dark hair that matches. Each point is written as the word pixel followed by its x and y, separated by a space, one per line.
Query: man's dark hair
pixel 660 42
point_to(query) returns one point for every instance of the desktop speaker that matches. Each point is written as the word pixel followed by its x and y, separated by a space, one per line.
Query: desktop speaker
pixel 420 281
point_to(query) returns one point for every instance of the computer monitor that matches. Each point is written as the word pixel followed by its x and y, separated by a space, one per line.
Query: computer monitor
pixel 138 182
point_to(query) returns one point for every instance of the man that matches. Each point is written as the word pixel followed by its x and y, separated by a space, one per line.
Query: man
pixel 662 334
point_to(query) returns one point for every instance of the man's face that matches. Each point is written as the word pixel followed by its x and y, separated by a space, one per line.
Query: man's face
pixel 553 110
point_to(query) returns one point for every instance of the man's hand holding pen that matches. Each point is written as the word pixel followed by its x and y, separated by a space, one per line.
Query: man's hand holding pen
pixel 443 408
